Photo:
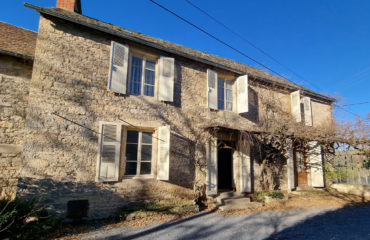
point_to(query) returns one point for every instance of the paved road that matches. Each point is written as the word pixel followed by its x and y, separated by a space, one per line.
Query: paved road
pixel 318 223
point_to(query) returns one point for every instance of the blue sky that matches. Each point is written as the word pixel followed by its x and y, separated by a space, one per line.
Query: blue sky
pixel 326 42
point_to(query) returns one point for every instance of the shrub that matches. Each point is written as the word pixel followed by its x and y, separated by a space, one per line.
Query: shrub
pixel 22 219
pixel 277 194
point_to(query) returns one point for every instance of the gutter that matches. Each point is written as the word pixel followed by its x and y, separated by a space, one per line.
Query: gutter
pixel 160 47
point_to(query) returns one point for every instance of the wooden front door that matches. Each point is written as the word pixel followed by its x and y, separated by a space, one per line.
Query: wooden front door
pixel 301 168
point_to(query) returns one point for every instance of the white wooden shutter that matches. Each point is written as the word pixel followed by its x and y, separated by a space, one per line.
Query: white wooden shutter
pixel 211 155
pixel 295 104
pixel 245 168
pixel 163 160
pixel 118 68
pixel 212 89
pixel 307 111
pixel 166 78
pixel 109 153
pixel 315 160
pixel 290 165
pixel 242 97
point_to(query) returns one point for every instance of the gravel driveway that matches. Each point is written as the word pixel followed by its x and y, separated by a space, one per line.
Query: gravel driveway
pixel 316 223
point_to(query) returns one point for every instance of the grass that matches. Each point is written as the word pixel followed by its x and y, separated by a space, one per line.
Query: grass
pixel 260 196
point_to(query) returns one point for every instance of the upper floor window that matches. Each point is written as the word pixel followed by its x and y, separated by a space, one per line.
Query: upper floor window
pixel 224 94
pixel 142 76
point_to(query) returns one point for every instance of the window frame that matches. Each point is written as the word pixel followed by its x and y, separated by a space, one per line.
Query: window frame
pixel 225 101
pixel 144 58
pixel 139 160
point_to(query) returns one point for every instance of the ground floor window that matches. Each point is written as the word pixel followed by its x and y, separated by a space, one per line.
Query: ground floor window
pixel 139 146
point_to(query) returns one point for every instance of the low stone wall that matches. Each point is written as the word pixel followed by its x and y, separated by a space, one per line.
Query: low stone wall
pixel 359 190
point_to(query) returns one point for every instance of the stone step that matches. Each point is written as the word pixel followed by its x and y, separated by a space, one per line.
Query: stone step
pixel 236 204
pixel 228 195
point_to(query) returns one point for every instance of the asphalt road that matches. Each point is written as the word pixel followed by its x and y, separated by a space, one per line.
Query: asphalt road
pixel 317 223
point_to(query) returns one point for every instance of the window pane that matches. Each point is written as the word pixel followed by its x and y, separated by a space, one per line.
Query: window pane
pixel 146 168
pixel 132 136
pixel 220 93
pixel 147 137
pixel 146 152
pixel 229 95
pixel 135 77
pixel 130 168
pixel 149 77
pixel 149 90
pixel 229 106
pixel 150 65
pixel 131 152
pixel 229 85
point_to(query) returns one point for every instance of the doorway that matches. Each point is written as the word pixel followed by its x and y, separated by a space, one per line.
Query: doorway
pixel 225 166
pixel 301 168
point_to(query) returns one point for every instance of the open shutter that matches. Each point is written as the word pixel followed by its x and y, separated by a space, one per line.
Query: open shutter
pixel 109 154
pixel 307 111
pixel 163 161
pixel 211 155
pixel 212 89
pixel 118 68
pixel 242 97
pixel 166 78
pixel 245 168
pixel 295 104
pixel 290 165
pixel 315 160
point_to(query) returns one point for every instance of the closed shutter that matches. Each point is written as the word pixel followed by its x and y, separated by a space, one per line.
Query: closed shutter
pixel 307 111
pixel 163 161
pixel 245 168
pixel 118 68
pixel 295 104
pixel 315 161
pixel 290 165
pixel 242 97
pixel 212 89
pixel 211 155
pixel 109 154
pixel 166 78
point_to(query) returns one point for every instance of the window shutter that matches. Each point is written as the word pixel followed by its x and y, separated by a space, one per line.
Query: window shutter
pixel 242 97
pixel 163 161
pixel 315 160
pixel 211 155
pixel 295 104
pixel 166 78
pixel 245 168
pixel 118 68
pixel 212 89
pixel 307 111
pixel 109 154
pixel 290 165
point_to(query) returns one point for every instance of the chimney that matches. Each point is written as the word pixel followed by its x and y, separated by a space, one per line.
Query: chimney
pixel 71 5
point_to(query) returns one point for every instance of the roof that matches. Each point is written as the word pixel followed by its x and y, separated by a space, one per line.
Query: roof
pixel 207 58
pixel 16 41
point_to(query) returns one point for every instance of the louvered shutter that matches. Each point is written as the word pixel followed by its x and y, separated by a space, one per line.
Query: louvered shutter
pixel 163 161
pixel 315 160
pixel 242 97
pixel 295 104
pixel 307 111
pixel 245 168
pixel 166 78
pixel 212 89
pixel 211 155
pixel 109 154
pixel 118 68
pixel 290 165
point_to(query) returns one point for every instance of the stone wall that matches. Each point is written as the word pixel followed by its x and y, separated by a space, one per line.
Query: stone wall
pixel 70 78
pixel 15 75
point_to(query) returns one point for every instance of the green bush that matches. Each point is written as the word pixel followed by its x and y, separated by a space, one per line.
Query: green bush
pixel 275 194
pixel 23 219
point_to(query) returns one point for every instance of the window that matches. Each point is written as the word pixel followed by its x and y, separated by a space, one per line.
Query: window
pixel 139 153
pixel 142 76
pixel 225 94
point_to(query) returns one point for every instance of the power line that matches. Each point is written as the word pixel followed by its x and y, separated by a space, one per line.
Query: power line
pixel 250 43
pixel 355 104
pixel 219 40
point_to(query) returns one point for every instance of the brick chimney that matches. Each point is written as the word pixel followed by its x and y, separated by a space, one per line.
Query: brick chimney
pixel 71 5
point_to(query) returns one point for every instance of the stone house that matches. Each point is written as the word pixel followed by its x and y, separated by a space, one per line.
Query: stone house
pixel 17 48
pixel 115 117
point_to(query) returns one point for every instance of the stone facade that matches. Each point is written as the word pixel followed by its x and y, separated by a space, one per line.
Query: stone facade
pixel 69 97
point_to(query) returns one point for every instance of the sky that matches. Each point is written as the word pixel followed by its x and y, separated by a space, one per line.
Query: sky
pixel 324 42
